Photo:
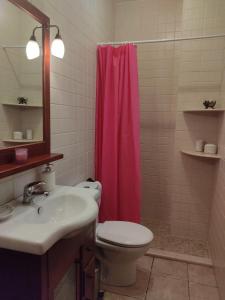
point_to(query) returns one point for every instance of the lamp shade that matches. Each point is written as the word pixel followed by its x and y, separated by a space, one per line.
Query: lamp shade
pixel 32 48
pixel 57 47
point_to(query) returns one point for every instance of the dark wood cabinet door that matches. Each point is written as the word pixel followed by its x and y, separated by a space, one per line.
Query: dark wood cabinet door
pixel 22 276
pixel 32 277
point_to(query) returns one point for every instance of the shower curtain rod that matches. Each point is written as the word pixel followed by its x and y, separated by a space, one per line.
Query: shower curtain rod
pixel 162 40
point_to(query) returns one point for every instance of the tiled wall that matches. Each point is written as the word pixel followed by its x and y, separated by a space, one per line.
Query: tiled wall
pixel 82 24
pixel 177 189
pixel 200 73
pixel 217 224
pixel 139 20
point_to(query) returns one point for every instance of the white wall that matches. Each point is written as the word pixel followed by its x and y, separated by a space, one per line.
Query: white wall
pixel 217 224
pixel 82 24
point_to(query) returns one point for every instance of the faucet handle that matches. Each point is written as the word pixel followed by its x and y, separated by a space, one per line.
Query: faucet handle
pixel 33 187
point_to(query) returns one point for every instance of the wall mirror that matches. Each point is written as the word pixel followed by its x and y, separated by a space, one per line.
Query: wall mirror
pixel 21 100
pixel 24 86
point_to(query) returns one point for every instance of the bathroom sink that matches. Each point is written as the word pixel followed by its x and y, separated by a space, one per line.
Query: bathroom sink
pixel 36 227
pixel 54 210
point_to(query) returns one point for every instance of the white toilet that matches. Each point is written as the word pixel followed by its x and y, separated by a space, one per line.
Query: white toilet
pixel 119 245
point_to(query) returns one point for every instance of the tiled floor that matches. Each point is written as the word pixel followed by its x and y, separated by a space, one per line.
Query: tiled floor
pixel 161 279
pixel 163 240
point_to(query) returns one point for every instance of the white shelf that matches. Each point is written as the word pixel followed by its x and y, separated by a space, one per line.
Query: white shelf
pixel 21 141
pixel 201 154
pixel 23 105
pixel 209 110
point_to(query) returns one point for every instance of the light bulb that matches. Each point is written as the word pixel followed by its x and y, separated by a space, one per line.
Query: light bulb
pixel 32 48
pixel 57 47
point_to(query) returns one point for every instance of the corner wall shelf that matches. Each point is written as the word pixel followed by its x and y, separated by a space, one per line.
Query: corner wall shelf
pixel 216 110
pixel 23 141
pixel 22 105
pixel 201 154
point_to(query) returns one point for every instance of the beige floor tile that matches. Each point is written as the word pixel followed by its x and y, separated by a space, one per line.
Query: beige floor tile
pixel 110 296
pixel 203 292
pixel 145 263
pixel 165 287
pixel 138 290
pixel 170 267
pixel 201 274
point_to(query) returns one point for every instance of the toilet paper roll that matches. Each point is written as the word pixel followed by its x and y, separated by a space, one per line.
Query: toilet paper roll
pixel 210 148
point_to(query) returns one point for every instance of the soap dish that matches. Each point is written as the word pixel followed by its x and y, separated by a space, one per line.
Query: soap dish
pixel 6 211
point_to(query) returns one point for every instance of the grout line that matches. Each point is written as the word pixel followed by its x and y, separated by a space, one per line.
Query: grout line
pixel 188 271
pixel 150 276
pixel 189 294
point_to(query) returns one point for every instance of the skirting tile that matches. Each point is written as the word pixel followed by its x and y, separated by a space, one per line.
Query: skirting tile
pixel 204 261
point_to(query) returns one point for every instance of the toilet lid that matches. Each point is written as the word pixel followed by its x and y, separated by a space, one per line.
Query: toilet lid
pixel 124 234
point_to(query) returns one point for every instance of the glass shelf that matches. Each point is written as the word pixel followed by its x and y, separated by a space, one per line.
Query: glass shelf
pixel 23 141
pixel 22 105
pixel 216 110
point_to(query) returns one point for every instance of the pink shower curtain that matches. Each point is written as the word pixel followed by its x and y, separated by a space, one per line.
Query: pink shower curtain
pixel 117 156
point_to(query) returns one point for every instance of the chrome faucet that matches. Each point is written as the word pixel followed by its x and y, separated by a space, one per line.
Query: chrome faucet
pixel 32 189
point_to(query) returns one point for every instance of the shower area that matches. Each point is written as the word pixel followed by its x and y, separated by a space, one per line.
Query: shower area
pixel 181 192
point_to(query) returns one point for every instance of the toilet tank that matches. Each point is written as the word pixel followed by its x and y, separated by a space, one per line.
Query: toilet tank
pixel 94 188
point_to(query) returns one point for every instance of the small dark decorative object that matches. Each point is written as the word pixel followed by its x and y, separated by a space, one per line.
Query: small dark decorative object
pixel 22 100
pixel 209 104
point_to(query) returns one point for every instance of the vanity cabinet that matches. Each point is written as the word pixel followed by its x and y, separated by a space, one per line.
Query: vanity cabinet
pixel 26 276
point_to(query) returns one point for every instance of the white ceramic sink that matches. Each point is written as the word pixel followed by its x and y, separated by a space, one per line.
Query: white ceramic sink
pixel 63 213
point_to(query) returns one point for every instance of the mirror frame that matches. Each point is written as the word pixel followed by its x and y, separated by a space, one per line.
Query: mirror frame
pixel 7 155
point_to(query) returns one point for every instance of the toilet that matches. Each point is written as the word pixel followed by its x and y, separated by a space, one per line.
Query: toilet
pixel 119 244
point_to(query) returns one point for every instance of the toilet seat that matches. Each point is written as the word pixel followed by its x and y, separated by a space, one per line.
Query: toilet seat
pixel 124 234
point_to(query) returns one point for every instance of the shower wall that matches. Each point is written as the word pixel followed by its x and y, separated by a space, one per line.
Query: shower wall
pixel 201 64
pixel 176 189
pixel 217 224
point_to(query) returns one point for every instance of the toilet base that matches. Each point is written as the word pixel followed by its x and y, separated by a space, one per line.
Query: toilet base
pixel 123 274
